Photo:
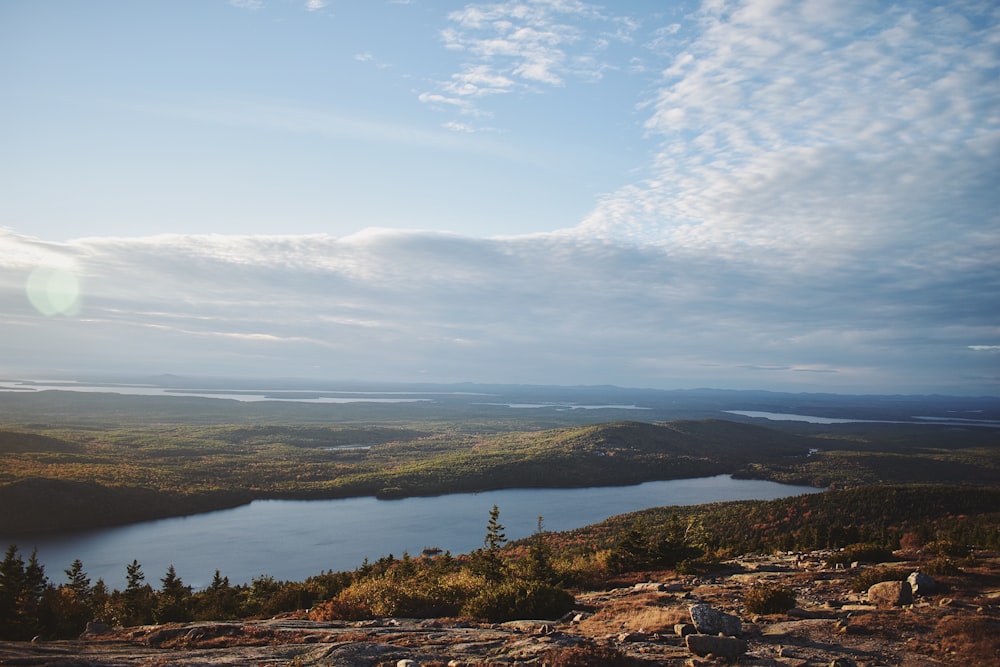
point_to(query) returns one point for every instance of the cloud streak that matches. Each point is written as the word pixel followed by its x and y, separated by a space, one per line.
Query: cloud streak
pixel 407 305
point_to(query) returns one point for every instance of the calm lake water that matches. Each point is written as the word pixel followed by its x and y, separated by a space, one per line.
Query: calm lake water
pixel 936 421
pixel 292 540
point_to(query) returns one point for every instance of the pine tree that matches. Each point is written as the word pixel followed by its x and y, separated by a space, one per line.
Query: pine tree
pixel 138 596
pixel 219 583
pixel 540 558
pixel 171 604
pixel 489 561
pixel 495 537
pixel 11 587
pixel 134 577
pixel 79 582
pixel 22 591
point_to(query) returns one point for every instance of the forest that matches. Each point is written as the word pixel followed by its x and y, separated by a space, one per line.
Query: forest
pixel 82 469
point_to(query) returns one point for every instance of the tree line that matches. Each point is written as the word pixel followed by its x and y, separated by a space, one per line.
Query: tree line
pixel 528 578
pixel 487 583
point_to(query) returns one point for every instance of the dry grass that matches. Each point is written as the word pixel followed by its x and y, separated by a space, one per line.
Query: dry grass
pixel 650 612
pixel 588 655
pixel 975 640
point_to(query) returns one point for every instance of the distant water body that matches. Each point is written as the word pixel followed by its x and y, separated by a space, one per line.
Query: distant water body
pixel 939 421
pixel 243 395
pixel 294 539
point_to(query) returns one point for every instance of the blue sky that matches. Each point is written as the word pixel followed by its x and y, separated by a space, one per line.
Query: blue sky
pixel 755 194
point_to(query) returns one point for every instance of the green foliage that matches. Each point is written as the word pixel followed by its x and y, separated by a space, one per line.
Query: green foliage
pixel 421 596
pixel 173 601
pixel 869 577
pixel 539 565
pixel 645 545
pixel 60 478
pixel 489 584
pixel 860 553
pixel 942 566
pixel 769 599
pixel 22 590
pixel 507 600
pixel 488 561
pixel 946 548
pixel 79 582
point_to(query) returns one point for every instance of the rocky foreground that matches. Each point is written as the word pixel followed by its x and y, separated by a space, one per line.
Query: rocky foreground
pixel 666 620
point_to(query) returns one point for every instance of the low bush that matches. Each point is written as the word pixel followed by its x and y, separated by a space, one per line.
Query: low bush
pixel 508 600
pixel 769 599
pixel 412 597
pixel 946 548
pixel 941 567
pixel 860 553
pixel 868 578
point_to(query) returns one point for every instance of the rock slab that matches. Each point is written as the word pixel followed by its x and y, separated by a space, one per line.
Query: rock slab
pixel 921 584
pixel 727 648
pixel 890 594
pixel 710 621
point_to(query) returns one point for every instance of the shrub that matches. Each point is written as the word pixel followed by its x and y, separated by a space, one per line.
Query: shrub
pixel 339 609
pixel 412 597
pixel 868 578
pixel 862 553
pixel 508 600
pixel 769 599
pixel 940 567
pixel 946 548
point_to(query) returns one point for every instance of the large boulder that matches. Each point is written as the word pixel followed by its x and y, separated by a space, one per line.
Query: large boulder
pixel 711 621
pixel 921 584
pixel 890 594
pixel 727 648
pixel 96 628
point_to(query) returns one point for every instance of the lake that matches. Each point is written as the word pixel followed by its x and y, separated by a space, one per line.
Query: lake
pixel 294 539
pixel 934 421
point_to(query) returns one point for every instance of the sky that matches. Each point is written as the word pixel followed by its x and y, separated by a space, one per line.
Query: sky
pixel 753 194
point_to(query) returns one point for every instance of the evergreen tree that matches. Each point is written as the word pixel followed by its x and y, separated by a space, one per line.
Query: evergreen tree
pixel 35 580
pixel 540 558
pixel 79 582
pixel 171 604
pixel 100 601
pixel 219 601
pixel 22 592
pixel 137 597
pixel 134 578
pixel 11 587
pixel 489 561
pixel 219 583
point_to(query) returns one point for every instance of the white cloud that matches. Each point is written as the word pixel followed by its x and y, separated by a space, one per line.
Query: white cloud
pixel 547 308
pixel 822 132
pixel 315 5
pixel 528 45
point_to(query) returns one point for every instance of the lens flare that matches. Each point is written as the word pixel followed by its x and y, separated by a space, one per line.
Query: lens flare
pixel 54 291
